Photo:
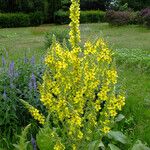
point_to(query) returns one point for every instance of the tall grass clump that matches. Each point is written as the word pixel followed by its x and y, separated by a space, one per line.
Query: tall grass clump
pixel 61 35
pixel 79 92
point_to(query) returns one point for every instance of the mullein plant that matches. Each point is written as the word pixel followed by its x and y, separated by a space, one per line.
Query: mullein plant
pixel 78 90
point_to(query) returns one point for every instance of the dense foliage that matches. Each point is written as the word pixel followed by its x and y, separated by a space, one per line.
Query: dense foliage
pixel 62 17
pixel 136 4
pixel 40 5
pixel 108 4
pixel 92 16
pixel 21 5
pixel 20 19
pixel 47 7
pixel 57 11
pixel 14 20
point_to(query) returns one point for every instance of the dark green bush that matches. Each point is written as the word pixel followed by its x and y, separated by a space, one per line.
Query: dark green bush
pixel 25 6
pixel 92 16
pixel 14 20
pixel 62 17
pixel 120 17
pixel 136 4
pixel 36 18
pixel 8 20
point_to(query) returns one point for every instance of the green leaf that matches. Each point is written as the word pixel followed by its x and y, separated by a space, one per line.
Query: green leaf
pixel 44 138
pixel 95 145
pixel 118 136
pixel 119 118
pixel 113 147
pixel 102 146
pixel 140 146
pixel 23 144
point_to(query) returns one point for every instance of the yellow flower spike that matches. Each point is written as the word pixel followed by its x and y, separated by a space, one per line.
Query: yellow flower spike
pixel 74 24
pixel 34 112
pixel 78 88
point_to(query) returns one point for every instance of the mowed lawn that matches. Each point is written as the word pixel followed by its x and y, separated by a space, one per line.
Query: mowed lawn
pixel 132 43
pixel 30 40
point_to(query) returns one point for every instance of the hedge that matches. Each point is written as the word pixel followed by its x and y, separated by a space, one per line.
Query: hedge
pixel 14 20
pixel 92 16
pixel 8 20
pixel 36 18
pixel 62 17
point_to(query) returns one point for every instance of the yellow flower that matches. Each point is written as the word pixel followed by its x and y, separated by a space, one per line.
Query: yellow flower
pixel 60 65
pixel 74 147
pixel 80 135
pixel 105 129
pixel 97 105
pixel 89 49
pixel 49 59
pixel 113 113
pixel 112 76
pixel 59 146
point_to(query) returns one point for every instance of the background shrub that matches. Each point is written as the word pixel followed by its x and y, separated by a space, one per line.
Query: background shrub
pixel 50 7
pixel 14 20
pixel 24 6
pixel 144 16
pixel 92 16
pixel 62 17
pixel 136 4
pixel 120 17
pixel 8 20
pixel 36 18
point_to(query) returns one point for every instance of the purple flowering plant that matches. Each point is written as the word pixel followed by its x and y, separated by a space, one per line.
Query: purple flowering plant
pixel 18 80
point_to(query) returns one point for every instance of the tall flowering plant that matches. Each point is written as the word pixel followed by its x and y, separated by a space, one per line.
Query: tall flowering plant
pixel 78 90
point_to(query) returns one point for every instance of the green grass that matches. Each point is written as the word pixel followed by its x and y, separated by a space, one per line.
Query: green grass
pixel 18 41
pixel 130 37
pixel 132 47
pixel 137 108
